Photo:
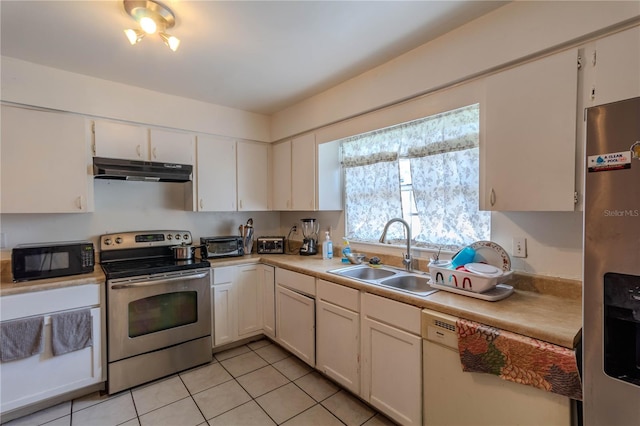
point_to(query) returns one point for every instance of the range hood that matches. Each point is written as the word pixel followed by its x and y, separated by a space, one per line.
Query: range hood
pixel 146 171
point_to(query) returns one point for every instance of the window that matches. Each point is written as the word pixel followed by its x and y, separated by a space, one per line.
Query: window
pixel 425 171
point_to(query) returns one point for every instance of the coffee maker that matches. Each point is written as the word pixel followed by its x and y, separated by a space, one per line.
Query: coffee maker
pixel 310 228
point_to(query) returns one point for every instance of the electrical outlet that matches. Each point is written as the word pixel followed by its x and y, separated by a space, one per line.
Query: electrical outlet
pixel 519 247
pixel 294 230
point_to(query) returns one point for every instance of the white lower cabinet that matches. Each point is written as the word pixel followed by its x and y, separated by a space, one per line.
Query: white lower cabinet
pixel 44 376
pixel 338 334
pixel 237 302
pixel 295 314
pixel 248 300
pixel 222 303
pixel 392 358
pixel 268 285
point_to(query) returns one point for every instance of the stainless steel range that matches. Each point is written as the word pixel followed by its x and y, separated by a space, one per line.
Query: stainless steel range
pixel 158 308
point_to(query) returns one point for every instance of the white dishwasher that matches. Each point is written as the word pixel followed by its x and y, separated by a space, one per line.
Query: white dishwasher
pixel 454 397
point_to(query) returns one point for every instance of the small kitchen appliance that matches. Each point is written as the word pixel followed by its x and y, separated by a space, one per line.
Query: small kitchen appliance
pixel 310 228
pixel 223 246
pixel 158 307
pixel 50 260
pixel 270 245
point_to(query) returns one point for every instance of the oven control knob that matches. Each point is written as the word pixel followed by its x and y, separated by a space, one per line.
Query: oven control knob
pixel 118 240
pixel 177 236
pixel 186 237
pixel 169 237
pixel 107 241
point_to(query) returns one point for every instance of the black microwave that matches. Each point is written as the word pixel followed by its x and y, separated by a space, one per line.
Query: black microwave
pixel 51 260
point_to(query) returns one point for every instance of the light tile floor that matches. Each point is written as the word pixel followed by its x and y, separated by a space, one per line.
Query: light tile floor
pixel 256 384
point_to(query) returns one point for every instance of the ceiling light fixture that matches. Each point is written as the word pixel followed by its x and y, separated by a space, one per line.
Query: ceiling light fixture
pixel 152 17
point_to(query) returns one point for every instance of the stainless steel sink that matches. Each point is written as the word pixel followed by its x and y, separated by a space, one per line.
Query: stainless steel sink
pixel 411 283
pixel 363 272
pixel 386 276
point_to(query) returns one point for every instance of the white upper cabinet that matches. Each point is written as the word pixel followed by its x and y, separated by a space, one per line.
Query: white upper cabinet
pixel 282 176
pixel 215 186
pixel 528 152
pixel 46 162
pixel 303 173
pixel 117 140
pixel 617 67
pixel 306 176
pixel 131 142
pixel 253 182
pixel 172 147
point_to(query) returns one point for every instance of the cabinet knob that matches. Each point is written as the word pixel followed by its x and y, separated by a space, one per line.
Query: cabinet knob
pixel 240 203
pixel 138 150
pixel 201 204
pixel 492 198
pixel 154 153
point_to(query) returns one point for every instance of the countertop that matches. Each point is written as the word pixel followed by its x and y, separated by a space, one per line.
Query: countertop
pixel 545 309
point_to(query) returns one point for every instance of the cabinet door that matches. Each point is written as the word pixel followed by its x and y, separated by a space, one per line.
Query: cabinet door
pixel 618 67
pixel 117 140
pixel 223 314
pixel 528 151
pixel 172 147
pixel 267 282
pixel 391 365
pixel 303 166
pixel 45 162
pixel 249 300
pixel 36 378
pixel 338 344
pixel 253 182
pixel 216 174
pixel 281 186
pixel 295 323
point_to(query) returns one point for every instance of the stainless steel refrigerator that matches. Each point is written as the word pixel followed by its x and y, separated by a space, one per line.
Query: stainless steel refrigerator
pixel 611 292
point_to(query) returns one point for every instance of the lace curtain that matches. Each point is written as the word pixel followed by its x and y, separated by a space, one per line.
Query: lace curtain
pixel 444 157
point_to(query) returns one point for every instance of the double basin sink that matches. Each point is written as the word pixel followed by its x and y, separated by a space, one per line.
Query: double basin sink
pixel 387 276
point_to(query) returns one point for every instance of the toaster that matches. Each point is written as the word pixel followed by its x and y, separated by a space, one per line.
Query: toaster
pixel 270 245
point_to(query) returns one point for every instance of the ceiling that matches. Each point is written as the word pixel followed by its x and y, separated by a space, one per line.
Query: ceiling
pixel 259 56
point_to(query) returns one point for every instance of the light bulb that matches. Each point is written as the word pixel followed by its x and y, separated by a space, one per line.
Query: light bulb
pixel 148 25
pixel 171 41
pixel 134 36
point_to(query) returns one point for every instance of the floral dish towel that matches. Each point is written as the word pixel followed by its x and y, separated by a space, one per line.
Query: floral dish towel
pixel 518 358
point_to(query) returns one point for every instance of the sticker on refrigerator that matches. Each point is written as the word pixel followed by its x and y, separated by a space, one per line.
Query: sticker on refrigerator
pixel 611 161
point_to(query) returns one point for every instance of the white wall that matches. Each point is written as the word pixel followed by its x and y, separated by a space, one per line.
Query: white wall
pixel 31 84
pixel 130 206
pixel 510 33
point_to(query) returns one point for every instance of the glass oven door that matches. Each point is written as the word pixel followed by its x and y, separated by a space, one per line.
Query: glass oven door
pixel 150 313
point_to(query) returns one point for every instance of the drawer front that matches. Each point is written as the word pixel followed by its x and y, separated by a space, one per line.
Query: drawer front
pixel 48 301
pixel 396 314
pixel 300 282
pixel 339 295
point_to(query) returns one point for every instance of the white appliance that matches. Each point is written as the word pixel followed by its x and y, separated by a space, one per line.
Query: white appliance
pixel 454 397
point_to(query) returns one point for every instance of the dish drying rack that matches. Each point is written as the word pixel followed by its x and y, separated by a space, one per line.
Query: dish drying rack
pixel 470 284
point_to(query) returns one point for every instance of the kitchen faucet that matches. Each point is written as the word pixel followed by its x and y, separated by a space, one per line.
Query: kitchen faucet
pixel 406 257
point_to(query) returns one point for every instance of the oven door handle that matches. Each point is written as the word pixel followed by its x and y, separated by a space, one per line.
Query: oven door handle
pixel 159 281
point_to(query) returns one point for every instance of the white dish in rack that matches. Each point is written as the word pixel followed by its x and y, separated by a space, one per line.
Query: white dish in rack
pixel 491 253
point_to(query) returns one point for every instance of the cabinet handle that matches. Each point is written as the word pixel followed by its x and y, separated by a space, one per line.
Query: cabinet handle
pixel 138 150
pixel 80 202
pixel 492 198
pixel 240 203
pixel 201 204
pixel 154 153
pixel 288 204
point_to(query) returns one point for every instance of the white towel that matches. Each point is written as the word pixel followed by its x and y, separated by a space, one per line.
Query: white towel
pixel 71 331
pixel 21 338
